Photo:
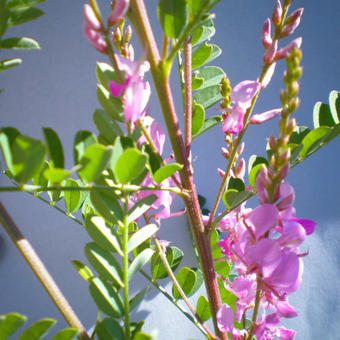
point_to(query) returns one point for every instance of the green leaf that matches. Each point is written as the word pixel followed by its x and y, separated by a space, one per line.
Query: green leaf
pixel 222 268
pixel 166 171
pixel 194 6
pixel 7 138
pixel 208 96
pixel 202 34
pixel 139 262
pixel 83 270
pixel 233 198
pixel 4 14
pixel 105 73
pixel 196 82
pixel 226 297
pixel 155 160
pixel 235 183
pixel 322 115
pixel 140 207
pixel 334 103
pixel 22 15
pixel 215 249
pixel 107 127
pixel 174 257
pixel 216 51
pixel 19 44
pixel 199 280
pixel 73 199
pixel 138 298
pixel 334 132
pixel 298 135
pixel 253 174
pixel 56 176
pixel 27 158
pixel 106 204
pixel 106 298
pixel 94 160
pixel 82 141
pixel 15 4
pixel 38 330
pixel 66 334
pixel 102 234
pixel 200 55
pixel 10 323
pixel 54 148
pixel 255 160
pixel 140 236
pixel 186 278
pixel 313 140
pixel 7 64
pixel 129 165
pixel 173 16
pixel 198 116
pixel 121 143
pixel 112 105
pixel 211 75
pixel 39 178
pixel 109 329
pixel 209 124
pixel 104 263
pixel 203 308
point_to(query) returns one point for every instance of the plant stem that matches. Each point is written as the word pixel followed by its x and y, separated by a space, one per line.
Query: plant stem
pixel 188 96
pixel 172 276
pixel 160 73
pixel 41 272
pixel 256 307
pixel 125 271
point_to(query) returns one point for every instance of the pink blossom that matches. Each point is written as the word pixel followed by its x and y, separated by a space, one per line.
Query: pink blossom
pixel 91 18
pixel 268 76
pixel 233 121
pixel 266 34
pixel 293 22
pixel 95 38
pixel 118 11
pixel 277 13
pixel 225 319
pixel 283 52
pixel 269 55
pixel 265 116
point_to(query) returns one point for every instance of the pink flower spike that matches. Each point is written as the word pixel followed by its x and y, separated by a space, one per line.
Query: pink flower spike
pixel 263 218
pixel 270 53
pixel 283 52
pixel 243 93
pixel 265 116
pixel 266 34
pixel 268 76
pixel 225 319
pixel 95 38
pixel 118 11
pixel 91 18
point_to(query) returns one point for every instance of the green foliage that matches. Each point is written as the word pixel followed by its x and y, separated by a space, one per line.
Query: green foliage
pixel 16 4
pixel 19 44
pixel 83 270
pixel 73 199
pixel 203 308
pixel 22 15
pixel 138 298
pixel 215 249
pixel 139 262
pixel 7 64
pixel 141 235
pixel 106 297
pixel 140 207
pixel 54 148
pixel 190 281
pixel 111 105
pixel 12 322
pixel 82 140
pixel 198 117
pixel 166 171
pixel 130 165
pixel 174 257
pixel 173 16
pixel 109 329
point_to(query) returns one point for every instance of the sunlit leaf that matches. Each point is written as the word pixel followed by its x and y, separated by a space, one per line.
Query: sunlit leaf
pixel 38 330
pixel 141 235
pixel 140 207
pixel 166 171
pixel 208 96
pixel 203 308
pixel 200 55
pixel 106 126
pixel 334 103
pixel 14 4
pixel 109 329
pixel 10 323
pixel 66 334
pixel 198 117
pixel 209 124
pixel 73 199
pixel 22 15
pixel 82 141
pixel 83 270
pixel 322 115
pixel 19 44
pixel 174 257
pixel 186 278
pixel 7 64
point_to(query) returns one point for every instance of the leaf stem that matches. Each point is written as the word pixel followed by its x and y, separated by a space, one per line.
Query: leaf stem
pixel 41 272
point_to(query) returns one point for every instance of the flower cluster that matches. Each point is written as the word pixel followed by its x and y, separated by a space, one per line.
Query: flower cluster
pixel 263 244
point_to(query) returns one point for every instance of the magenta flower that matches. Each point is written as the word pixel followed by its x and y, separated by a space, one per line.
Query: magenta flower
pixel 225 319
pixel 136 92
pixel 241 96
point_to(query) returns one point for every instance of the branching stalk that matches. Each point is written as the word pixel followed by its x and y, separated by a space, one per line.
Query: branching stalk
pixel 41 272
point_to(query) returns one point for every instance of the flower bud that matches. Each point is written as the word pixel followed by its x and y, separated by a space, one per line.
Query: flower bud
pixel 117 37
pixel 240 148
pixel 220 172
pixel 266 34
pixel 293 104
pixel 128 34
pixel 272 143
pixel 296 15
pixel 291 126
pixel 118 11
pixel 277 13
pixel 240 169
pixel 283 97
pixel 285 157
pixel 225 152
pixel 261 191
pixel 284 172
pixel 293 88
pixel 264 177
pixel 91 18
pixel 290 28
pixel 270 52
pixel 283 52
pixel 95 39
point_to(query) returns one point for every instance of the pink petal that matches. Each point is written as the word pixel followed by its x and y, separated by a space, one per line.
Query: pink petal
pixel 91 19
pixel 233 122
pixel 283 52
pixel 117 89
pixel 285 309
pixel 293 233
pixel 265 116
pixel 308 225
pixel 243 93
pixel 225 319
pixel 119 9
pixel 268 76
pixel 263 218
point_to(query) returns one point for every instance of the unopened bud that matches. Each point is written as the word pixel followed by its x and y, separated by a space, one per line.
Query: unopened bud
pixel 228 139
pixel 294 16
pixel 261 191
pixel 240 169
pixel 220 172
pixel 296 73
pixel 91 18
pixel 225 152
pixel 95 39
pixel 283 97
pixel 270 52
pixel 128 34
pixel 283 52
pixel 293 88
pixel 225 87
pixel 264 177
pixel 289 28
pixel 266 34
pixel 284 172
pixel 277 13
pixel 293 104
pixel 240 148
pixel 291 126
pixel 285 157
pixel 117 36
pixel 272 143
pixel 119 7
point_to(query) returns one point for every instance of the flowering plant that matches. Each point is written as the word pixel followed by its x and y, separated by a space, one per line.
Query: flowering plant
pixel 123 182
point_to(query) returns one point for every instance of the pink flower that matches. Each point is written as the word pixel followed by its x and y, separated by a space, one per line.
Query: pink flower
pixel 265 116
pixel 118 11
pixel 283 52
pixel 91 18
pixel 136 92
pixel 266 34
pixel 225 319
pixel 241 96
